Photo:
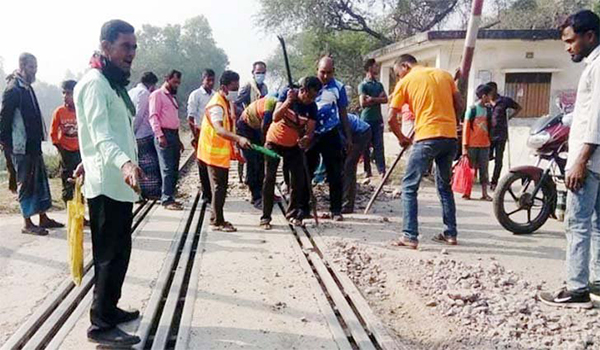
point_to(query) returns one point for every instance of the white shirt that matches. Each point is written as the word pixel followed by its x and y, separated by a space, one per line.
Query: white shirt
pixel 197 102
pixel 139 96
pixel 216 114
pixel 585 127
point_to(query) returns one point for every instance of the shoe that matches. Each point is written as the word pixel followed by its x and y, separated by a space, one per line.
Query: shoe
pixel 595 293
pixel 126 316
pixel 442 238
pixel 51 224
pixel 405 242
pixel 266 226
pixel 566 298
pixel 34 230
pixel 113 338
pixel 493 187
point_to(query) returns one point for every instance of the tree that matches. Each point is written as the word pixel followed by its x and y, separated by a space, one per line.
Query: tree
pixel 385 20
pixel 535 14
pixel 305 49
pixel 189 49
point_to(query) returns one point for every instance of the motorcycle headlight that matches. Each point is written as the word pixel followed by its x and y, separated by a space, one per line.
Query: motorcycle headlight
pixel 538 140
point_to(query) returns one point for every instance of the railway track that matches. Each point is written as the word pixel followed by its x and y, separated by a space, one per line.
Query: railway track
pixel 52 321
pixel 167 318
pixel 360 326
pixel 362 329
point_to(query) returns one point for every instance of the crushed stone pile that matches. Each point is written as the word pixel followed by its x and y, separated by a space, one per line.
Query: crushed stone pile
pixel 487 302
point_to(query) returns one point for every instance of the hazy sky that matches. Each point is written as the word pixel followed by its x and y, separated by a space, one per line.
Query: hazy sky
pixel 64 33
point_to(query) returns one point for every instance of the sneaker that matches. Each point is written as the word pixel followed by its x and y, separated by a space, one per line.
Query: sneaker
pixel 113 338
pixel 566 298
pixel 595 293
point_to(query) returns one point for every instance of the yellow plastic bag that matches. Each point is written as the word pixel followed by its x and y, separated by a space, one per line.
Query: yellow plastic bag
pixel 76 212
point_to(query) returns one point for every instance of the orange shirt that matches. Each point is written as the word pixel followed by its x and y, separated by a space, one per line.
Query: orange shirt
pixel 429 94
pixel 476 128
pixel 64 129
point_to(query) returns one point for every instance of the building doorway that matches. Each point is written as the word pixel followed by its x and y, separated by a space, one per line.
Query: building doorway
pixel 531 91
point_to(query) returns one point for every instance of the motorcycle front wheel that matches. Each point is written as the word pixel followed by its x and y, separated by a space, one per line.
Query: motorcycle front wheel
pixel 515 207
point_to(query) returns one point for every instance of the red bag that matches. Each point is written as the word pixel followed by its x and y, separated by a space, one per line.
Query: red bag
pixel 462 179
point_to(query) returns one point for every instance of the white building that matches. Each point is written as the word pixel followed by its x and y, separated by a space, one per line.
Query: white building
pixel 531 66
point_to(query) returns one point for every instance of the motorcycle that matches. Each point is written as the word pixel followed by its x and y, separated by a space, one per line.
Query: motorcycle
pixel 527 196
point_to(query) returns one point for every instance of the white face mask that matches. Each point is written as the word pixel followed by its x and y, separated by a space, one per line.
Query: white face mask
pixel 232 96
pixel 259 78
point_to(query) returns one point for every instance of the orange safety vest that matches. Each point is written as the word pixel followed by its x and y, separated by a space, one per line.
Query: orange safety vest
pixel 212 148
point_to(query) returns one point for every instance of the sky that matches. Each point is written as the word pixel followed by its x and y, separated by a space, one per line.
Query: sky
pixel 63 34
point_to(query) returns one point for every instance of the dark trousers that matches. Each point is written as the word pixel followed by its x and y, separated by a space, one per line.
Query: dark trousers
pixel 299 198
pixel 497 153
pixel 168 158
pixel 218 184
pixel 110 223
pixel 329 146
pixel 69 160
pixel 378 149
pixel 255 162
pixel 204 181
pixel 360 144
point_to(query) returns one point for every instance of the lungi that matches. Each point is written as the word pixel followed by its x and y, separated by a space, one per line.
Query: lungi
pixel 151 182
pixel 33 188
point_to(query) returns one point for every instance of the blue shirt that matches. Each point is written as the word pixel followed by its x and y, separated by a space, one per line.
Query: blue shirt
pixel 357 125
pixel 331 98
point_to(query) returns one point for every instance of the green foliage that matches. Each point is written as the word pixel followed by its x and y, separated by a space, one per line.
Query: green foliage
pixel 384 20
pixel 52 162
pixel 189 49
pixel 536 14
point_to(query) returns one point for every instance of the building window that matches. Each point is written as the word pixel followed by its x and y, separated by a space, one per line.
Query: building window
pixel 531 91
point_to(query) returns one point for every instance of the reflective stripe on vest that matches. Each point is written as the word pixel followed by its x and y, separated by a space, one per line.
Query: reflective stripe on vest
pixel 212 148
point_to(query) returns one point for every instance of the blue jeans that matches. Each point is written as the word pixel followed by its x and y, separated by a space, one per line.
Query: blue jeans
pixel 423 153
pixel 378 150
pixel 583 234
pixel 168 159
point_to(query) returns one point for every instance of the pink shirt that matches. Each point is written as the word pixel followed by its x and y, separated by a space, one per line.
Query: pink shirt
pixel 163 111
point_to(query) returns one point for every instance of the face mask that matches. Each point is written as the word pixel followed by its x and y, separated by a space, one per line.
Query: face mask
pixel 232 96
pixel 259 78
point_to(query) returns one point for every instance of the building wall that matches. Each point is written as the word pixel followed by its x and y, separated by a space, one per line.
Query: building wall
pixel 494 58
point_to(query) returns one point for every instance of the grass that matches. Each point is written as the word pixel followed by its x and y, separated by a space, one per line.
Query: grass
pixel 8 201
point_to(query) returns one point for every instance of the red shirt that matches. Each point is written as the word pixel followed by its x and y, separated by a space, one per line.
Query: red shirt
pixel 64 129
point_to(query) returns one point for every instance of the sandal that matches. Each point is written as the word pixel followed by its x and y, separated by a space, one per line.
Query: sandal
pixel 34 230
pixel 442 238
pixel 49 223
pixel 296 222
pixel 404 242
pixel 487 198
pixel 173 206
pixel 225 227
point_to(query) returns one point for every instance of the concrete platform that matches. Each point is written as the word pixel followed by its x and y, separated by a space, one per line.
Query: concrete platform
pixel 256 292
